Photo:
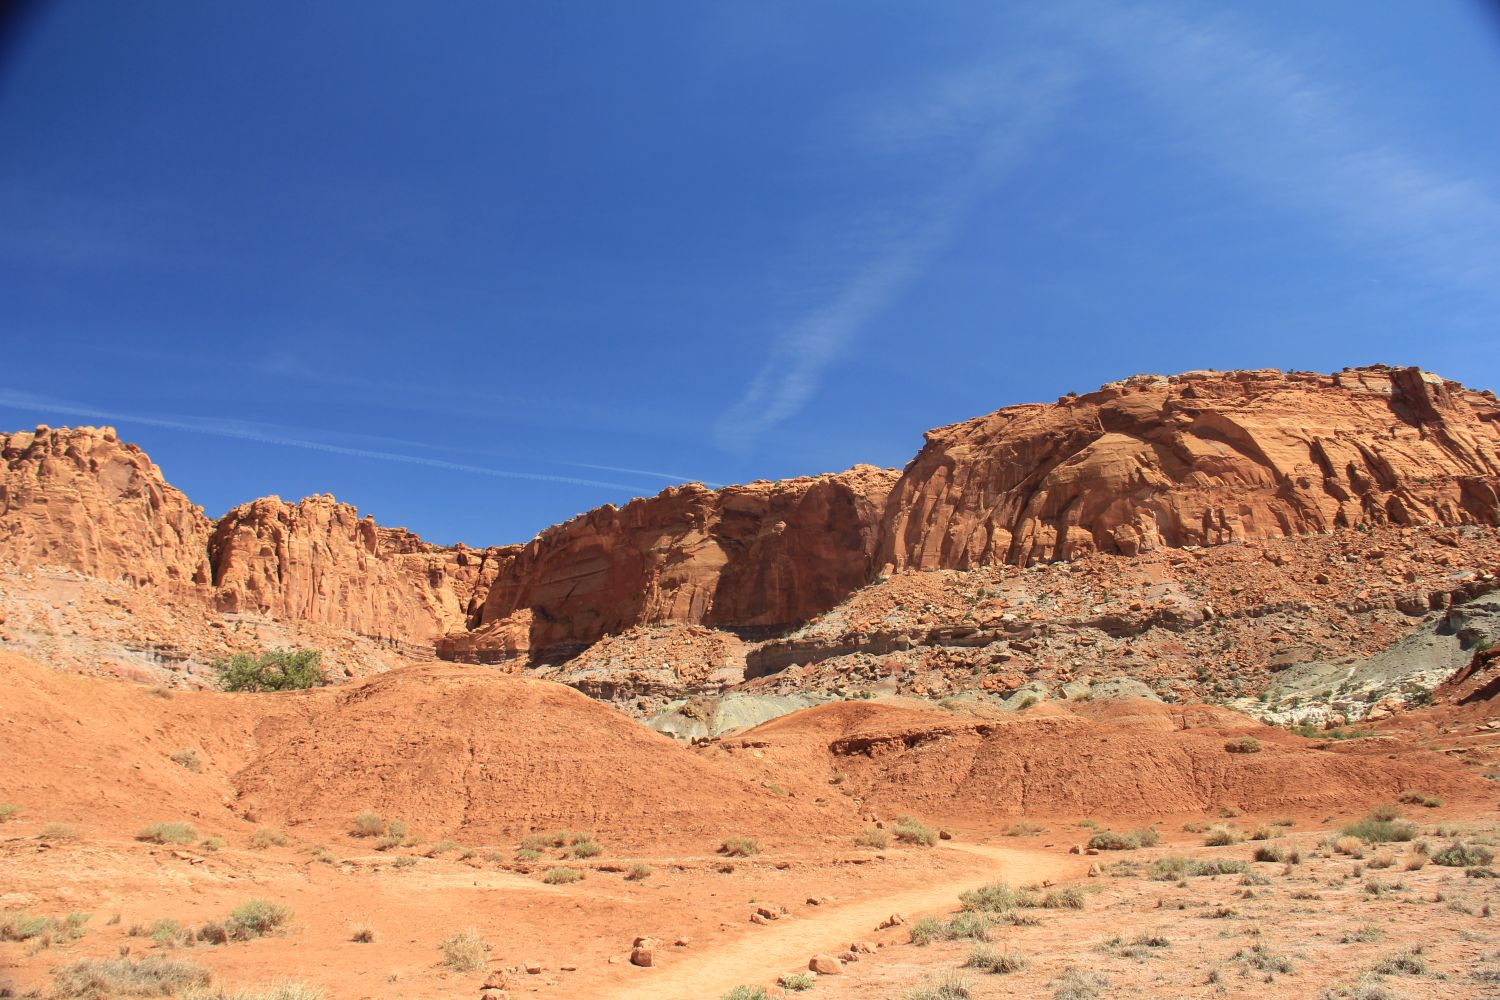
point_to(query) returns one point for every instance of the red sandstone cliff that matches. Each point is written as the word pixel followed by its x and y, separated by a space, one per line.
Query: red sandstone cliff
pixel 319 561
pixel 79 498
pixel 767 554
pixel 1197 459
pixel 1150 462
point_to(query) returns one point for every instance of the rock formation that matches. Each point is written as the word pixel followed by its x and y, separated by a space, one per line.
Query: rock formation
pixel 319 561
pixel 1197 459
pixel 80 499
pixel 764 556
pixel 1145 464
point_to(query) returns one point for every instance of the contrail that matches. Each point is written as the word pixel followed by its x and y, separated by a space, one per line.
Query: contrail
pixel 16 400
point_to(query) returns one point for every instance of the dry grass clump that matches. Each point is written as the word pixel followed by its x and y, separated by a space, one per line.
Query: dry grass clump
pixel 797 982
pixel 251 919
pixel 561 876
pixel 362 934
pixel 1279 854
pixel 586 847
pixel 1381 828
pixel 42 932
pixel 288 989
pixel 395 835
pixel 1108 840
pixel 465 951
pixel 1025 830
pixel 109 978
pixel 910 830
pixel 1077 984
pixel 1460 854
pixel 638 872
pixel 54 832
pixel 187 758
pixel 8 812
pixel 266 837
pixel 944 986
pixel 166 932
pixel 1413 798
pixel 740 847
pixel 368 824
pixel 1243 744
pixel 1173 869
pixel 872 837
pixel 1222 836
pixel 1409 963
pixel 995 961
pixel 167 833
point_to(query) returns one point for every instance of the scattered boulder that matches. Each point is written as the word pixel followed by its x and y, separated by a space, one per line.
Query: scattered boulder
pixel 825 965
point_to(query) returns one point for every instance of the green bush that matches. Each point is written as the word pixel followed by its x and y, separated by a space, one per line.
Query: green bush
pixel 273 670
pixel 256 918
pixel 797 981
pixel 747 993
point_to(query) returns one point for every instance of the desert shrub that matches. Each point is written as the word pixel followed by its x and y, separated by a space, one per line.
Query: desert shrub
pixel 1459 854
pixel 211 844
pixel 405 862
pixel 561 876
pixel 1221 836
pixel 1070 898
pixel 287 989
pixel 944 986
pixel 527 854
pixel 187 758
pixel 265 837
pixel 273 670
pixel 740 847
pixel 1077 984
pixel 441 847
pixel 1243 744
pixel 1382 859
pixel 1108 840
pixel 1410 963
pixel 1354 847
pixel 968 925
pixel 1418 799
pixel 925 931
pixel 465 951
pixel 796 981
pixel 166 932
pixel 1025 830
pixel 109 978
pixel 1269 853
pixel 996 961
pixel 368 824
pixel 362 934
pixel 1373 830
pixel 872 837
pixel 747 993
pixel 541 841
pixel 1386 811
pixel 638 872
pixel 997 897
pixel 43 932
pixel 587 849
pixel 167 833
pixel 909 830
pixel 1260 956
pixel 1174 868
pixel 8 812
pixel 256 918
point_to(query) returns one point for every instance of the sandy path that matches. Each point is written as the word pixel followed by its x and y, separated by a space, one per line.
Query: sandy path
pixel 764 952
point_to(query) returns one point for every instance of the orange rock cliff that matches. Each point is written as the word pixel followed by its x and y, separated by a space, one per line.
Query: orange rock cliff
pixel 1195 459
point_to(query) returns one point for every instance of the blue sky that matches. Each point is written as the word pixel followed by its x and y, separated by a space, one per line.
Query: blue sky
pixel 477 267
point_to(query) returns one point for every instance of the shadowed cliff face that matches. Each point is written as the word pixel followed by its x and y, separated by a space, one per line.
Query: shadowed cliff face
pixel 1196 459
pixel 1151 462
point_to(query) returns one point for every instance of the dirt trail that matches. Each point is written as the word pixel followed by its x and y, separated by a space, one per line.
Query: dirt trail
pixel 762 953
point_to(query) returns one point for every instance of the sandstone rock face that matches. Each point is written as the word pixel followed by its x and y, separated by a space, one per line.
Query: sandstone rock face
pixel 78 498
pixel 319 561
pixel 765 555
pixel 1197 459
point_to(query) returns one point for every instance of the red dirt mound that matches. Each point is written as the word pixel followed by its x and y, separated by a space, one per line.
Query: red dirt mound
pixel 466 750
pixel 1126 758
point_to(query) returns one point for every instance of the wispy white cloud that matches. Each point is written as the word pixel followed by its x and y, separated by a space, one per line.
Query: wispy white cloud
pixel 262 434
pixel 1298 140
pixel 976 125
